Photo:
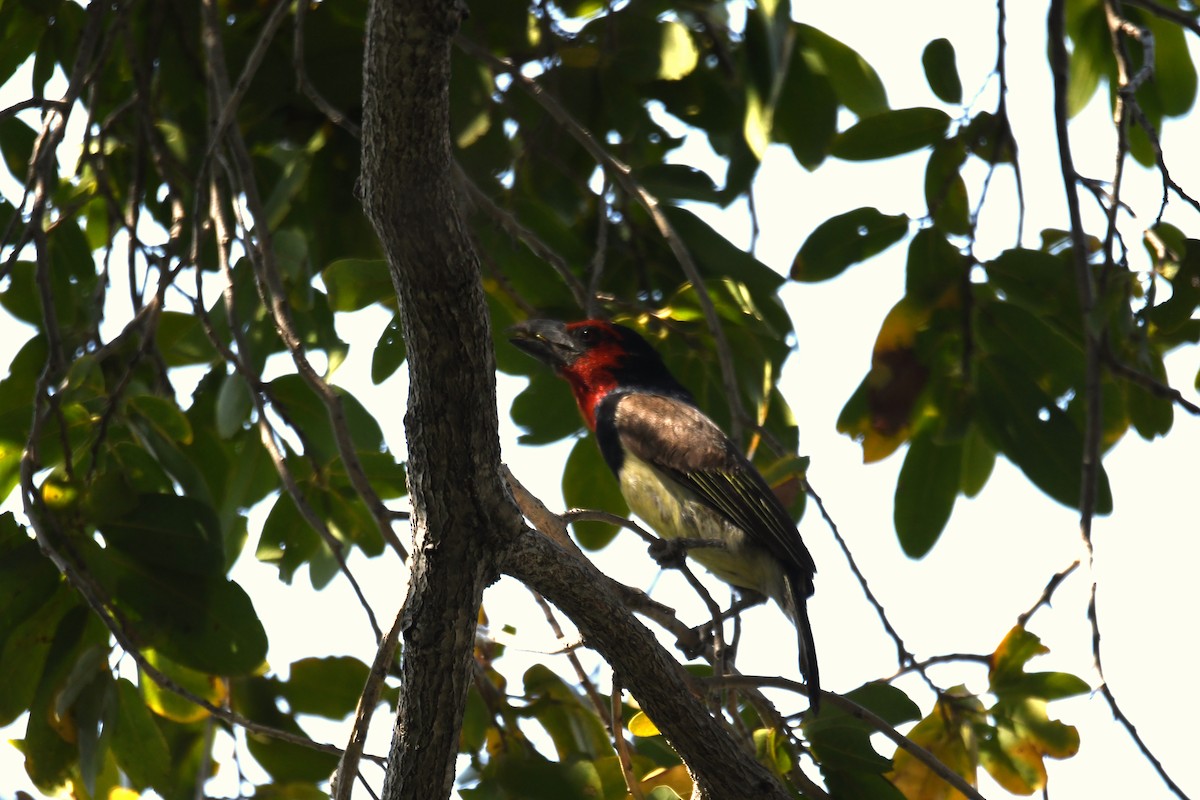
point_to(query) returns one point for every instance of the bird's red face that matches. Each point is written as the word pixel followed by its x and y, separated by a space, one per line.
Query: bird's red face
pixel 594 356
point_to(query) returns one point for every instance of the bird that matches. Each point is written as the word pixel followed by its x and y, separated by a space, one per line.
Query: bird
pixel 677 469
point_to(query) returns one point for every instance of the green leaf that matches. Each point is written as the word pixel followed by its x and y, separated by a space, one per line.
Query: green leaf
pixel 678 182
pixel 164 415
pixel 846 239
pixel 389 352
pixel 169 705
pixel 1047 355
pixel 574 727
pixel 891 133
pixel 925 492
pixel 138 744
pixel 355 283
pixel 805 116
pixel 1024 423
pixel 233 405
pixel 945 190
pixel 204 622
pixel 287 540
pixel 589 483
pixel 1174 81
pixel 941 71
pixel 720 260
pixel 678 55
pixel 857 84
pixel 23 659
pixel 545 410
pixel 27 578
pixel 890 703
pixel 328 687
pixel 181 340
pixel 307 413
pixel 257 697
pixel 170 532
pixel 1037 280
pixel 933 267
pixel 978 460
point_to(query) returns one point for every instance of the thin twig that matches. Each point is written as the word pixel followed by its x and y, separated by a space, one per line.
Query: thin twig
pixel 580 673
pixel 1089 466
pixel 514 228
pixel 618 734
pixel 222 231
pixel 1048 592
pixel 1180 18
pixel 904 656
pixel 1119 715
pixel 1149 383
pixel 262 257
pixel 385 656
pixel 305 85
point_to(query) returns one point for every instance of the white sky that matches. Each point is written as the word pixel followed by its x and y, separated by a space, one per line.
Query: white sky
pixel 998 550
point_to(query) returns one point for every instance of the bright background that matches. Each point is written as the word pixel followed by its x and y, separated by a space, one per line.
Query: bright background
pixel 998 550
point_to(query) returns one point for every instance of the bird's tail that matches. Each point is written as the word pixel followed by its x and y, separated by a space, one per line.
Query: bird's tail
pixel 799 590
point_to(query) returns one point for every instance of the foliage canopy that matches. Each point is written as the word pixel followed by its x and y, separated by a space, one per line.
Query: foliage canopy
pixel 186 215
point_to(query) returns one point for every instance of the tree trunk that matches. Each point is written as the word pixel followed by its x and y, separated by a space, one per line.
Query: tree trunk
pixel 464 521
pixel 451 425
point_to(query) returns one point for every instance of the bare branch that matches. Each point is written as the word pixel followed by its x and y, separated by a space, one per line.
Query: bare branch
pixel 1048 592
pixel 304 84
pixel 385 656
pixel 1090 461
pixel 623 756
pixel 903 655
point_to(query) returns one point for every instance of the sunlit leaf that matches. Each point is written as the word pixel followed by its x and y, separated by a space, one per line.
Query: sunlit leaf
pixel 641 725
pixel 678 56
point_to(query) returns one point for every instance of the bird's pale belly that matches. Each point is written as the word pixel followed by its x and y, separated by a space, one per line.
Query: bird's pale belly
pixel 674 513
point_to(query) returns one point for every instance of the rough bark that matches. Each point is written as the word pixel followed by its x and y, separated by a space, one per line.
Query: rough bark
pixel 721 768
pixel 451 424
pixel 464 521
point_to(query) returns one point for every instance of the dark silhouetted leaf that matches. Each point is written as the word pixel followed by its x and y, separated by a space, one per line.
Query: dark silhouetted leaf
pixel 857 84
pixel 891 133
pixel 941 70
pixel 925 492
pixel 844 240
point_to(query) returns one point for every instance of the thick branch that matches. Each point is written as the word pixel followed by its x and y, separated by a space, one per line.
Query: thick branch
pixel 457 493
pixel 721 768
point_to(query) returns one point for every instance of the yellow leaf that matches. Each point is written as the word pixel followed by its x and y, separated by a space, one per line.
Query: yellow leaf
pixel 757 126
pixel 945 734
pixel 641 725
pixel 676 777
pixel 167 704
pixel 678 56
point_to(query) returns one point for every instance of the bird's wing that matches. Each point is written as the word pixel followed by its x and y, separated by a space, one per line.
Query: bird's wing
pixel 677 438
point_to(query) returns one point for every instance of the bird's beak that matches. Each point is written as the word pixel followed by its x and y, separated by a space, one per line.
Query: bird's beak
pixel 546 340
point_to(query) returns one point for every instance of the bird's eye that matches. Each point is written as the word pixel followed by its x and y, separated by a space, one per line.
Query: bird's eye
pixel 589 335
